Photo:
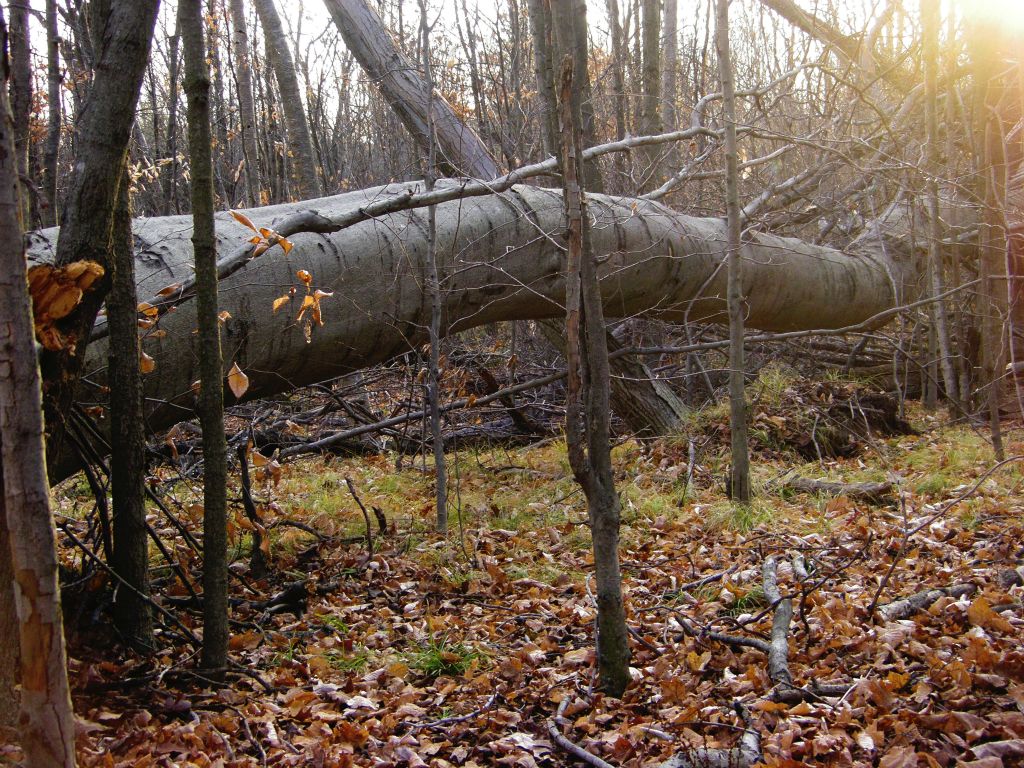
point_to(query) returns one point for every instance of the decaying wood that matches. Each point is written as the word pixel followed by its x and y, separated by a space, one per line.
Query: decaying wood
pixel 908 606
pixel 871 492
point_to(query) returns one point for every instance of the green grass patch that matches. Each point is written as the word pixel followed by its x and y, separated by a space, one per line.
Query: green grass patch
pixel 441 657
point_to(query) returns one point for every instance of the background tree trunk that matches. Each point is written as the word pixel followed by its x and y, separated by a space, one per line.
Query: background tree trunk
pixel 246 108
pixel 650 123
pixel 21 96
pixel 669 81
pixel 392 72
pixel 299 143
pixel 55 113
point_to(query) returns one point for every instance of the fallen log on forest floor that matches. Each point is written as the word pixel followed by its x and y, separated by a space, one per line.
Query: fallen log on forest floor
pixel 501 259
pixel 871 492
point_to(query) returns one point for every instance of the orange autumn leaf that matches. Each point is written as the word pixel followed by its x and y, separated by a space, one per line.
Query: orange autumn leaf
pixel 237 381
pixel 146 363
pixel 244 220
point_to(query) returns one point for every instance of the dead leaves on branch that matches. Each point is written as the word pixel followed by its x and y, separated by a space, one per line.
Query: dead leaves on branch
pixel 310 303
pixel 55 292
pixel 265 238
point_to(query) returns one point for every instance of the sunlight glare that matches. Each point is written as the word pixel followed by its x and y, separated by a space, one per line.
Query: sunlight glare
pixel 1005 13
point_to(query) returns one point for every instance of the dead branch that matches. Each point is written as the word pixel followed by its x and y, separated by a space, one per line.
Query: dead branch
pixel 908 606
pixel 870 492
pixel 778 654
pixel 747 754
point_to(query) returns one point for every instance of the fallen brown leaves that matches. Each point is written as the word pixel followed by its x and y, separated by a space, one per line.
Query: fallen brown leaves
pixel 460 653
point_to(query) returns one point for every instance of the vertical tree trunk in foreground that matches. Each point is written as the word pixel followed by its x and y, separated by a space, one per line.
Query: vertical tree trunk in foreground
pixel 130 559
pixel 104 128
pixel 299 143
pixel 46 724
pixel 211 392
pixel 586 413
pixel 739 478
pixel 246 105
pixel 433 289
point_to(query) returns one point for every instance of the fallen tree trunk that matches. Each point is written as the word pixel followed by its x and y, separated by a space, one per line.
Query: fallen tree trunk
pixel 504 261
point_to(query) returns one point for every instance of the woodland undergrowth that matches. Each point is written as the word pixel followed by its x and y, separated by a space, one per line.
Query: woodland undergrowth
pixel 406 649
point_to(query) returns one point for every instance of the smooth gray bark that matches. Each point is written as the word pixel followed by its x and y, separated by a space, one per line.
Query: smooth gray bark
pixel 246 108
pixel 500 267
pixel 391 71
pixel 300 143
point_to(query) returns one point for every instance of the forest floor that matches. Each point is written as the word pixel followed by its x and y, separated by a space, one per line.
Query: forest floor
pixel 467 650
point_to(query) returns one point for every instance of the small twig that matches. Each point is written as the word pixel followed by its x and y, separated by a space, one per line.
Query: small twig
pixel 196 642
pixel 907 606
pixel 778 655
pixel 567 746
pixel 446 721
pixel 366 517
pixel 260 752
pixel 257 559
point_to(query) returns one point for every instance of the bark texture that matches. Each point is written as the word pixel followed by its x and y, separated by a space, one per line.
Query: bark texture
pixel 46 724
pixel 391 71
pixel 104 127
pixel 652 259
pixel 211 390
pixel 301 145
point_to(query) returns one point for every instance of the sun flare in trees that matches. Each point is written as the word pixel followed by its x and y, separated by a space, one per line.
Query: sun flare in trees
pixel 1008 14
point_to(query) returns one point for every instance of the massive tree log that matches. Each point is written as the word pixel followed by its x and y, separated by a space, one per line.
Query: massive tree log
pixel 504 261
